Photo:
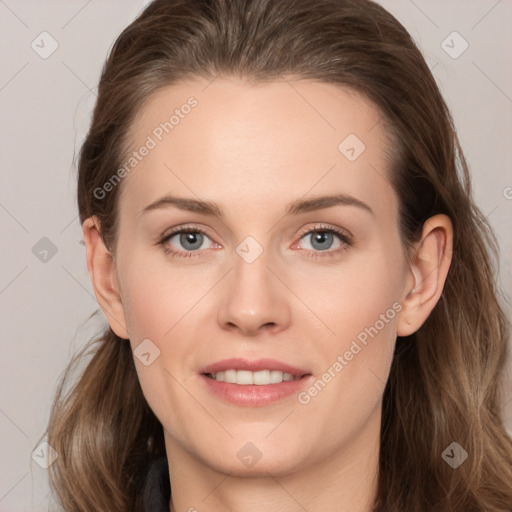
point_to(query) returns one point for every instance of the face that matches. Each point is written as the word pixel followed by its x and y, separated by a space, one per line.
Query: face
pixel 265 273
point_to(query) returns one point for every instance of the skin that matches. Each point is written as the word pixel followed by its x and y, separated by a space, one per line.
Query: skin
pixel 253 150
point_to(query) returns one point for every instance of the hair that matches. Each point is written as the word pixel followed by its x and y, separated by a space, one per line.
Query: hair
pixel 444 382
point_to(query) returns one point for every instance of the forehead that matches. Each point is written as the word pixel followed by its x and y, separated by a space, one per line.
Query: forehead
pixel 232 142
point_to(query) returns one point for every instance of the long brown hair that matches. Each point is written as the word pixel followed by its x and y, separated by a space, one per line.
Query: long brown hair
pixel 444 384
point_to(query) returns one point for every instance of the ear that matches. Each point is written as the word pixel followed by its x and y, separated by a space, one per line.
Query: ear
pixel 102 270
pixel 429 264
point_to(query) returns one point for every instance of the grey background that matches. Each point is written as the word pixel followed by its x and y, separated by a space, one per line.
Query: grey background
pixel 45 107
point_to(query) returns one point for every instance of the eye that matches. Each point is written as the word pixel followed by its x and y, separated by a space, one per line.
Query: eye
pixel 185 242
pixel 325 239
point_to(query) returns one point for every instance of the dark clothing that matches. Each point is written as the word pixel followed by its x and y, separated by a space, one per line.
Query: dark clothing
pixel 157 488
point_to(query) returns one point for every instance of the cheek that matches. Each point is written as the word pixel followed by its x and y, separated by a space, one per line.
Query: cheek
pixel 156 296
pixel 354 366
pixel 159 302
pixel 364 323
pixel 353 297
pixel 360 307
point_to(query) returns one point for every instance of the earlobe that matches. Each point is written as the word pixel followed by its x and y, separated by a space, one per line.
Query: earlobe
pixel 101 266
pixel 429 265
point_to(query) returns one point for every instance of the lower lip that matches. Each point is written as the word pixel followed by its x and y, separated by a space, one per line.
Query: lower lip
pixel 253 395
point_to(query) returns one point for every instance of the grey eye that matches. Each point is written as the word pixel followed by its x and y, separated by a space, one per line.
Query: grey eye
pixel 189 240
pixel 321 240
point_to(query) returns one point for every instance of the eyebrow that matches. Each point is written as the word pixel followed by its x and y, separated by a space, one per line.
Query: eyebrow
pixel 294 208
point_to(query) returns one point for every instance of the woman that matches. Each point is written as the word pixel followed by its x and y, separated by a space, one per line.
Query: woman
pixel 303 312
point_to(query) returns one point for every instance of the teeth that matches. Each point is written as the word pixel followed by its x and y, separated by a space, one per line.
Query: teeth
pixel 260 378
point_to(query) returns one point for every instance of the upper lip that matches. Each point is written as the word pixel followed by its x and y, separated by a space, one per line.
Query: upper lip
pixel 237 363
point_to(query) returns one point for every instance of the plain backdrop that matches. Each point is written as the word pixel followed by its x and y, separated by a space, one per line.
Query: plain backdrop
pixel 46 100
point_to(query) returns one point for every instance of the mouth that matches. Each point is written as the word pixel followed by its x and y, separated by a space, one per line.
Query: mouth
pixel 253 383
pixel 258 378
pixel 260 372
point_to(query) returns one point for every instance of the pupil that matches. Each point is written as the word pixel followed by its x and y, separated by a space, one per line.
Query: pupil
pixel 191 238
pixel 321 238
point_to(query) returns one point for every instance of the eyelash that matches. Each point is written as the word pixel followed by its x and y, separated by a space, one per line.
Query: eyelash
pixel 345 240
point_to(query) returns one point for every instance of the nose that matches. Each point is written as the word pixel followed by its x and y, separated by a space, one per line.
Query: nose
pixel 253 298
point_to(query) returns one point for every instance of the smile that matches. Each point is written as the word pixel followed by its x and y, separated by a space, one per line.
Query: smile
pixel 259 378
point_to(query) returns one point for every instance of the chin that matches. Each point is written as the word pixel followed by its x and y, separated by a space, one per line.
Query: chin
pixel 256 459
